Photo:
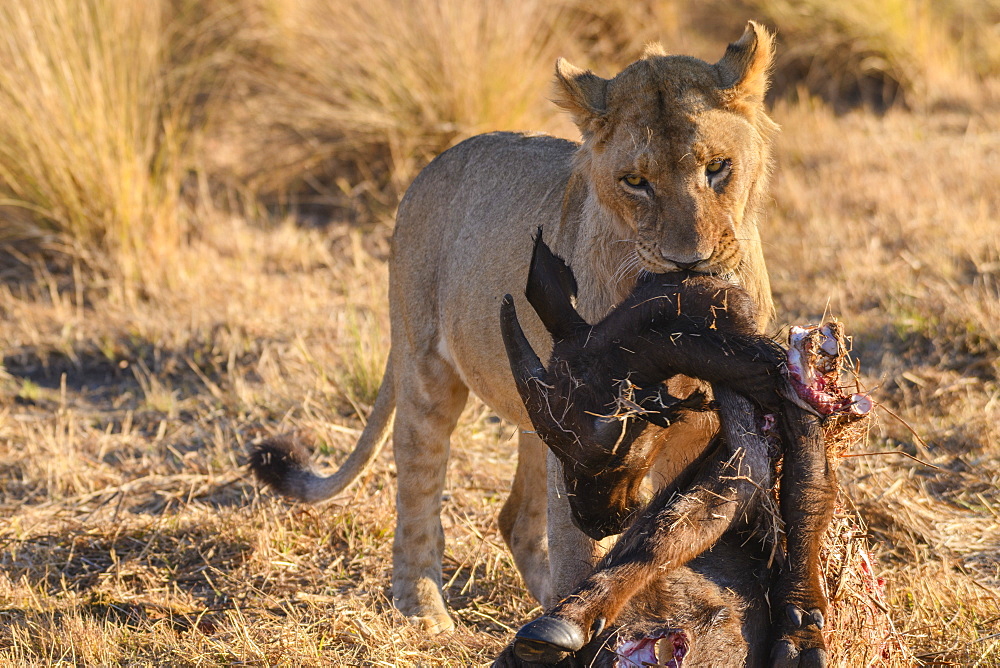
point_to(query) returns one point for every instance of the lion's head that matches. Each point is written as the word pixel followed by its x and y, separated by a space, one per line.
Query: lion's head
pixel 677 151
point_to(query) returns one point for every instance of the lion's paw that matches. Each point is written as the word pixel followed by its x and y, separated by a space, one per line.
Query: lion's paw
pixel 432 624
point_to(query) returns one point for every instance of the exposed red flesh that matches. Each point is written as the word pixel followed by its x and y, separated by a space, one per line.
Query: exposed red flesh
pixel 664 649
pixel 815 355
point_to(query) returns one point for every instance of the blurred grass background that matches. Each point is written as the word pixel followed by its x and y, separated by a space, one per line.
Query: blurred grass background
pixel 195 204
pixel 123 121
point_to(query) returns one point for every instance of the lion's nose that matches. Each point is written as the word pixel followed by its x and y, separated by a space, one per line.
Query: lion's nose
pixel 687 262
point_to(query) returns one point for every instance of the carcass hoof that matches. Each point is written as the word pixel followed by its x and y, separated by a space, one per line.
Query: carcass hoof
pixel 548 640
pixel 784 654
pixel 800 618
pixel 509 659
pixel 801 643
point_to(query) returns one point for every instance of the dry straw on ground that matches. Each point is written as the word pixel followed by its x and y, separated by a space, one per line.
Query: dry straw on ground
pixel 196 200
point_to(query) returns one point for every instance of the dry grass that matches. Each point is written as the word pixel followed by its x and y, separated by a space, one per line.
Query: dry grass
pixel 133 378
pixel 94 135
pixel 894 52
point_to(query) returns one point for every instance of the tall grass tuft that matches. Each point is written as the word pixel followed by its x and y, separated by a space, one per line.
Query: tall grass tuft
pixel 879 54
pixel 94 129
pixel 368 91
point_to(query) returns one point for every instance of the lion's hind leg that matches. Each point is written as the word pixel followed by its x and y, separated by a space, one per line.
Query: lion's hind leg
pixel 429 400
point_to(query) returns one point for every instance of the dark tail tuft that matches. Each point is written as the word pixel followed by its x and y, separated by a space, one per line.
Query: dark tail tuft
pixel 280 462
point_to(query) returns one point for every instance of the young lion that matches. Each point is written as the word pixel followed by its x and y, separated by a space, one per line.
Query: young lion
pixel 670 175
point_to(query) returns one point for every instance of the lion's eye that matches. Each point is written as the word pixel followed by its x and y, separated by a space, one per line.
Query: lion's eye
pixel 717 170
pixel 635 181
pixel 715 166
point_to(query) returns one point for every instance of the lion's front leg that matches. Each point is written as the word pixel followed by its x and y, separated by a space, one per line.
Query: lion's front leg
pixel 523 517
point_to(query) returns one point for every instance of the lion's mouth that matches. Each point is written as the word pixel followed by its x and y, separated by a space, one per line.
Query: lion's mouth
pixel 652 260
pixel 655 263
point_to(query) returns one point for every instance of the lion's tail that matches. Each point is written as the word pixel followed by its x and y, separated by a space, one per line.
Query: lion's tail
pixel 284 464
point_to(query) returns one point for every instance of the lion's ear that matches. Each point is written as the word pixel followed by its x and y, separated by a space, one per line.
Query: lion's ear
pixel 744 69
pixel 583 94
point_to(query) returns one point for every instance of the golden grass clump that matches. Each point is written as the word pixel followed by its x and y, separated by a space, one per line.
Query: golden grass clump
pixel 856 52
pixel 93 131
pixel 369 91
pixel 859 627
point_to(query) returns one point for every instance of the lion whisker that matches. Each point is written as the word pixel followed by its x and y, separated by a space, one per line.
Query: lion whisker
pixel 625 268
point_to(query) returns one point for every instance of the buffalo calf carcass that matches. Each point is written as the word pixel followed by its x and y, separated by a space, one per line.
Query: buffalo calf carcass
pixel 689 577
